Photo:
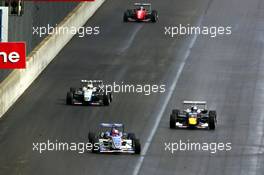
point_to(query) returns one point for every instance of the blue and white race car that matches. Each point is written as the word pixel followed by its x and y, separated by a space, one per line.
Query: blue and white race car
pixel 113 139
pixel 194 115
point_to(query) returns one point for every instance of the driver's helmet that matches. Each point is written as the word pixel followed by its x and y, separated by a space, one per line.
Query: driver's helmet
pixel 114 132
pixel 89 86
pixel 194 108
pixel 141 8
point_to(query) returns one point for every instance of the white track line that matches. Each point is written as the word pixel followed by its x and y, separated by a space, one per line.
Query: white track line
pixel 166 101
pixel 130 40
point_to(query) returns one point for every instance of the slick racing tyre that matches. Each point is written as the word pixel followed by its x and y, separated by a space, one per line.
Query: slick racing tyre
pixel 137 146
pixel 72 89
pixel 126 15
pixel 154 16
pixel 69 98
pixel 93 140
pixel 111 97
pixel 212 120
pixel 106 100
pixel 176 111
pixel 173 118
pixel 131 136
pixel 91 136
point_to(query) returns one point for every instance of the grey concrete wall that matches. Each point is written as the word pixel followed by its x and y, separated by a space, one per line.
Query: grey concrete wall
pixel 35 14
pixel 12 87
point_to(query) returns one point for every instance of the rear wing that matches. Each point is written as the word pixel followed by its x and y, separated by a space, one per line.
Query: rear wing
pixel 188 104
pixel 146 5
pixel 194 102
pixel 142 4
pixel 111 125
pixel 91 81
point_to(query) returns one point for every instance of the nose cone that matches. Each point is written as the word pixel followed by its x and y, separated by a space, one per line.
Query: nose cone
pixel 117 142
pixel 140 14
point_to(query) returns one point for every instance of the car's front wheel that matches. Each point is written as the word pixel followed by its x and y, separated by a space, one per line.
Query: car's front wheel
pixel 137 146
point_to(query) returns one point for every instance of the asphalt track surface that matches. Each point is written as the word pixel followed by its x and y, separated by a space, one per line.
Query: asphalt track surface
pixel 226 71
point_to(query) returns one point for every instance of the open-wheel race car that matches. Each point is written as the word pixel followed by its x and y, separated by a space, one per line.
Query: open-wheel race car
pixel 90 92
pixel 113 139
pixel 142 12
pixel 193 115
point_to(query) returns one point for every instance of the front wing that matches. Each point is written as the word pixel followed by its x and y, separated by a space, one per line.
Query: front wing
pixel 124 149
pixel 138 20
pixel 82 102
pixel 117 151
pixel 199 126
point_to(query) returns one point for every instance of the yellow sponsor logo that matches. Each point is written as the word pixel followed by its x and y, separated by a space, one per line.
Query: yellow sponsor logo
pixel 192 121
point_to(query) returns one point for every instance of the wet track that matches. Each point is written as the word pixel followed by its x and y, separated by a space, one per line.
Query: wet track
pixel 226 71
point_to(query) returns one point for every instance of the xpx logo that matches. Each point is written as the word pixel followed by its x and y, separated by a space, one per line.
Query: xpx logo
pixel 12 55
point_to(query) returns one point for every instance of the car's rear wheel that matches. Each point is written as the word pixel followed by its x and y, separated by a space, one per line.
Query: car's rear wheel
pixel 69 98
pixel 95 148
pixel 106 100
pixel 173 119
pixel 131 136
pixel 110 96
pixel 212 120
pixel 72 89
pixel 91 136
pixel 176 111
pixel 137 146
pixel 154 16
pixel 94 141
pixel 126 15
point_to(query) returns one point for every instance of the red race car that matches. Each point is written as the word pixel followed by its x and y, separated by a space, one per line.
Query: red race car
pixel 141 13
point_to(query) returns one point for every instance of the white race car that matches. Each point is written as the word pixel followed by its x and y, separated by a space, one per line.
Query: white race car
pixel 113 139
pixel 91 92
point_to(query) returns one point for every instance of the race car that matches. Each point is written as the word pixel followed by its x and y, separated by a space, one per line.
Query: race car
pixel 113 139
pixel 193 115
pixel 141 13
pixel 91 92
